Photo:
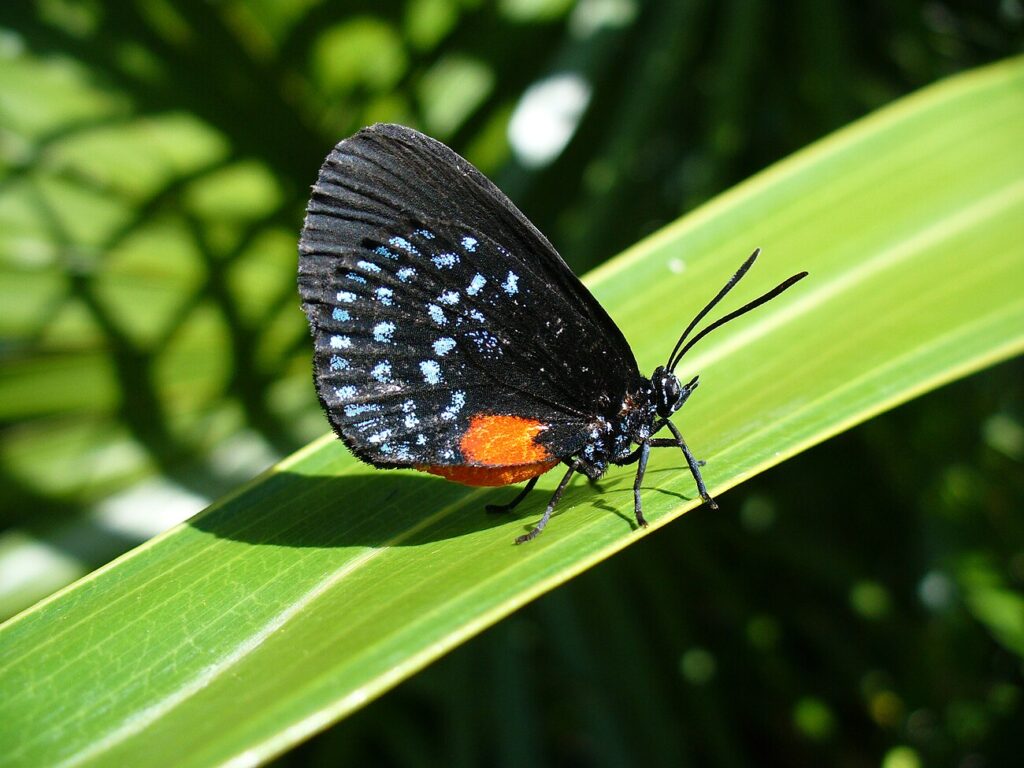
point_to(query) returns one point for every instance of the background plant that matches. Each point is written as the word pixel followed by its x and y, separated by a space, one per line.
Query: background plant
pixel 156 158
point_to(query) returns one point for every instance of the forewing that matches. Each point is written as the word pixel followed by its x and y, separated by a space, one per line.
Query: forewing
pixel 433 299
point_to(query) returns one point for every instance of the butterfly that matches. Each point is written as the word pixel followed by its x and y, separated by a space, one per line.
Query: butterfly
pixel 450 337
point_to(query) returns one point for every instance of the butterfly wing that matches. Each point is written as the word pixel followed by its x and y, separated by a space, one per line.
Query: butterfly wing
pixel 434 303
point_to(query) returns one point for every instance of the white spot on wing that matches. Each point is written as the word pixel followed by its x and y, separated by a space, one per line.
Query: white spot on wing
pixel 445 260
pixel 341 315
pixel 511 284
pixel 346 296
pixel 431 371
pixel 382 372
pixel 383 332
pixel 436 314
pixel 486 343
pixel 340 342
pixel 405 245
pixel 469 243
pixel 449 297
pixel 476 284
pixel 443 346
pixel 405 274
pixel 458 402
pixel 384 296
pixel 354 409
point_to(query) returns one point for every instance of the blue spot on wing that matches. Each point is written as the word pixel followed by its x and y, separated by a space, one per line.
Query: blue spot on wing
pixel 511 284
pixel 476 284
pixel 443 346
pixel 405 245
pixel 436 314
pixel 431 371
pixel 445 260
pixel 383 332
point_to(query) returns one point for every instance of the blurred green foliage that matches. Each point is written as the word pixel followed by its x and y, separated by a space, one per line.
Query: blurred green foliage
pixel 861 605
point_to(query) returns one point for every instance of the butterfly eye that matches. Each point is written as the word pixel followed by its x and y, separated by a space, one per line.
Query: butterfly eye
pixel 668 393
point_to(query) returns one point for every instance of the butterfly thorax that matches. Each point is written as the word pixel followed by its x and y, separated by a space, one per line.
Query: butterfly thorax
pixel 612 435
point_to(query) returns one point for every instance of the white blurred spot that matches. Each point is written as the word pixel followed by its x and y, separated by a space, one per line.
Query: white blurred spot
pixel 936 591
pixel 12 44
pixel 590 16
pixel 546 118
pixel 148 508
pixel 25 562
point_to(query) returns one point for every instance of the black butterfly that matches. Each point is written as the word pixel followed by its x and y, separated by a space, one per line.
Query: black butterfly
pixel 450 336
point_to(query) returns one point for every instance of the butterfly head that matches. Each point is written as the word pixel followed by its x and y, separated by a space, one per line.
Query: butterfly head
pixel 669 394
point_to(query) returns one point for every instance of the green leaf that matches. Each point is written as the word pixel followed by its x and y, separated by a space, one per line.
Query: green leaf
pixel 324 582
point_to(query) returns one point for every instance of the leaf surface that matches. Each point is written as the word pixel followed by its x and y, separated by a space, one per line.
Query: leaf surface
pixel 324 582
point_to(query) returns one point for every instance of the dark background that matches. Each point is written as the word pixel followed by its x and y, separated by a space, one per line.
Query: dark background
pixel 861 605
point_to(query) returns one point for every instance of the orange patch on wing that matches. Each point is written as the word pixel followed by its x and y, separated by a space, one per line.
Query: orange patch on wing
pixel 503 441
pixel 499 450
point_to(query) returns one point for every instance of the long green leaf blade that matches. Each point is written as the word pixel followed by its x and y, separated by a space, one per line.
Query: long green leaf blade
pixel 325 582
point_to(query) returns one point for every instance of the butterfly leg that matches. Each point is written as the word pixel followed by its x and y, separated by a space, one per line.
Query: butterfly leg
pixel 690 460
pixel 645 452
pixel 547 512
pixel 665 442
pixel 660 442
pixel 634 456
pixel 501 508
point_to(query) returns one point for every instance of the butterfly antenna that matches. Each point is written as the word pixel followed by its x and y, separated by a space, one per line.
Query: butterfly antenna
pixel 711 304
pixel 785 284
